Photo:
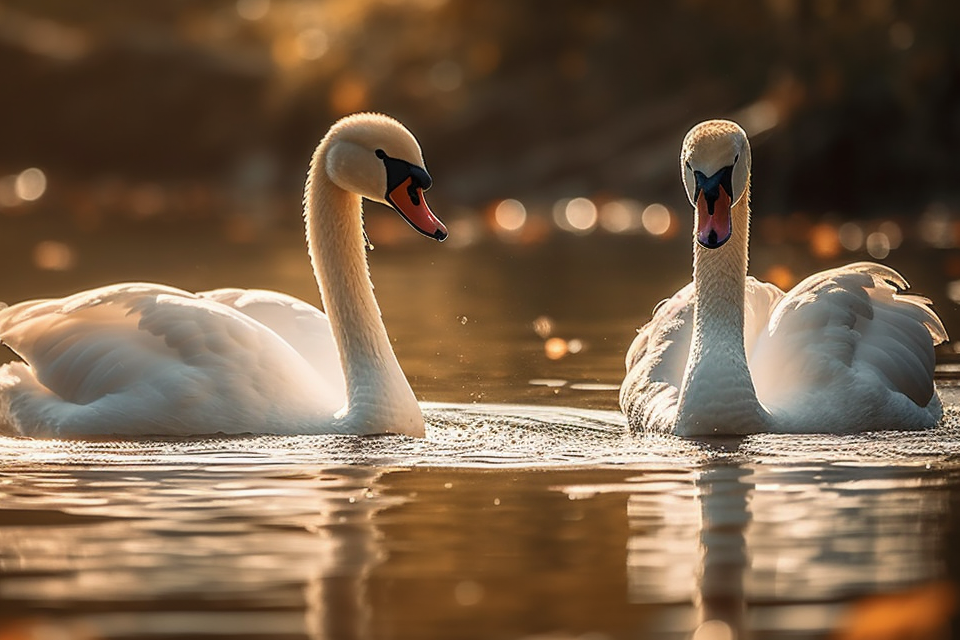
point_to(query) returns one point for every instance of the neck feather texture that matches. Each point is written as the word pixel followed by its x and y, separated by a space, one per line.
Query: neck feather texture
pixel 717 395
pixel 379 397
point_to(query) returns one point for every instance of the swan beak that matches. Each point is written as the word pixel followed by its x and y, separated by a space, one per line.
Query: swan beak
pixel 409 202
pixel 714 225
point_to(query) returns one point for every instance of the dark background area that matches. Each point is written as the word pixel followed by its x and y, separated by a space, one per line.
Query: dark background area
pixel 173 138
pixel 855 106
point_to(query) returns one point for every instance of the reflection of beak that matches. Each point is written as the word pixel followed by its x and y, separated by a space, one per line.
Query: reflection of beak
pixel 714 226
pixel 409 202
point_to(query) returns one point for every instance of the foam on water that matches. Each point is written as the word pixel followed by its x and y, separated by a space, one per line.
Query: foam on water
pixel 490 435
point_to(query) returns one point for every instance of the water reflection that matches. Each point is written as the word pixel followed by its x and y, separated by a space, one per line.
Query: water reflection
pixel 766 550
pixel 175 550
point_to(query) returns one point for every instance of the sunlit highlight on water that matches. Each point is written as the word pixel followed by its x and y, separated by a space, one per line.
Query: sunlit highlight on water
pixel 555 348
pixel 714 630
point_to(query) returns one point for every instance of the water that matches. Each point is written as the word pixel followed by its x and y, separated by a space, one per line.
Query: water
pixel 528 519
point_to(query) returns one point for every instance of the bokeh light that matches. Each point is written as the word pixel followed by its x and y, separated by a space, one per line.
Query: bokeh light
pixel 851 236
pixel 937 227
pixel 824 240
pixel 621 216
pixel 893 232
pixel 780 275
pixel 878 245
pixel 543 326
pixel 253 10
pixel 555 348
pixel 510 215
pixel 53 255
pixel 656 219
pixel 580 215
pixel 312 43
pixel 31 184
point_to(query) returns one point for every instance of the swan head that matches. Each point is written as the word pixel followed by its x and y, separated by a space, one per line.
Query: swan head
pixel 376 157
pixel 715 165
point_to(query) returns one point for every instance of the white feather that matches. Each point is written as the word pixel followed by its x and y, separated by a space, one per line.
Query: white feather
pixel 845 350
pixel 145 359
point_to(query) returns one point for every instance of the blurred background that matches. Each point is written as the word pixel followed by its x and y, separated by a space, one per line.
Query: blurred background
pixel 168 141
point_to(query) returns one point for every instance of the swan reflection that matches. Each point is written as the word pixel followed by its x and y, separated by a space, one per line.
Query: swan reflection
pixel 762 548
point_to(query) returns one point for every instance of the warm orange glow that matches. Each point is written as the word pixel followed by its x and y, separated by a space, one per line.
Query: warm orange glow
pixel 923 613
pixel 824 241
pixel 51 255
pixel 555 348
pixel 780 275
pixel 348 94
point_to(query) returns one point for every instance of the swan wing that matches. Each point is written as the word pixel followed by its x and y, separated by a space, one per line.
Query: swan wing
pixel 300 324
pixel 655 364
pixel 141 358
pixel 849 346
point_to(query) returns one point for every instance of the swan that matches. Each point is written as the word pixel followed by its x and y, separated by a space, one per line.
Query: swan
pixel 846 350
pixel 146 359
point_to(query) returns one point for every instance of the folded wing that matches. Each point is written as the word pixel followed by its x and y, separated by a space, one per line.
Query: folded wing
pixel 848 338
pixel 141 358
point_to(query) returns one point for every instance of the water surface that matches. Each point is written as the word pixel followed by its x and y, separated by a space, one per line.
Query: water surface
pixel 530 519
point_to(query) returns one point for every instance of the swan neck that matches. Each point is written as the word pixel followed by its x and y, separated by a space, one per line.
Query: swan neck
pixel 375 383
pixel 717 393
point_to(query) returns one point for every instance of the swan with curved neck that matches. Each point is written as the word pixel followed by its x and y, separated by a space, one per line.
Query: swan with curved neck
pixel 144 359
pixel 846 350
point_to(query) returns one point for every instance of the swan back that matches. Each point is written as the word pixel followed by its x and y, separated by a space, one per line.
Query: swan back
pixel 140 358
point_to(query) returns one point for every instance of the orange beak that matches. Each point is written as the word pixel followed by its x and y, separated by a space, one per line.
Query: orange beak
pixel 409 202
pixel 713 223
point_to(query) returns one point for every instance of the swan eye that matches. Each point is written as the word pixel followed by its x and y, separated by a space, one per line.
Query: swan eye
pixel 736 158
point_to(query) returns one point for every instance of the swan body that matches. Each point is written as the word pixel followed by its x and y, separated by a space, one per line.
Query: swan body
pixel 147 359
pixel 846 350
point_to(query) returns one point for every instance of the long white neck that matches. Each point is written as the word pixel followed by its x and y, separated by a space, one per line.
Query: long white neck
pixel 379 398
pixel 717 395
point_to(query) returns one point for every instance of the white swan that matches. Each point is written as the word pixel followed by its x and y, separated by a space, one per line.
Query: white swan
pixel 845 350
pixel 145 359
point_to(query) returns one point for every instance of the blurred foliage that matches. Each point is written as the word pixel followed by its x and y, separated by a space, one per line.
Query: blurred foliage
pixel 855 105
